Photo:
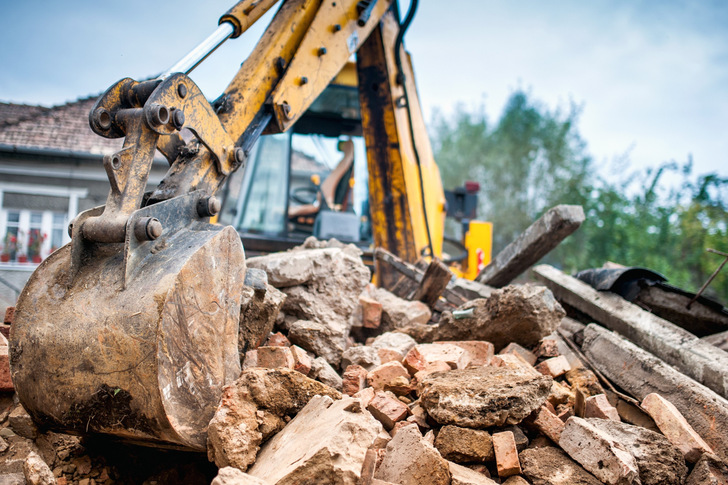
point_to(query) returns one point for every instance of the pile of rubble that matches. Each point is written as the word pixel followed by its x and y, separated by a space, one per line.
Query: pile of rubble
pixel 347 383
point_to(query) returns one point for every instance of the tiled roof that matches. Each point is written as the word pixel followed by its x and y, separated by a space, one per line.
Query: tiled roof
pixel 64 128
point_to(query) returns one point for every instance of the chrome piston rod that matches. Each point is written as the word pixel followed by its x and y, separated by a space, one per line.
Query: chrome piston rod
pixel 200 53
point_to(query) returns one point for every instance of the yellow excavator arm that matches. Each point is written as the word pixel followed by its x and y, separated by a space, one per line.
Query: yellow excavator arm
pixel 143 304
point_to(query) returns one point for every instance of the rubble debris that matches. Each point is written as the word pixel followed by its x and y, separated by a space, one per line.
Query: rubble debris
pixel 363 355
pixel 478 352
pixel 387 409
pixel 301 360
pixel 516 480
pixel 599 407
pixel 22 424
pixel 354 379
pixel 554 367
pixel 547 423
pixel 629 413
pixel 37 472
pixel 465 476
pixel 371 312
pixel 482 396
pixel 277 340
pixel 393 345
pixel 522 314
pixel 410 460
pixel 468 289
pixel 273 357
pixel 319 338
pixel 532 244
pixel 259 308
pixel 673 425
pixel 640 373
pixel 464 445
pixel 386 375
pixel 325 443
pixel 232 476
pixel 709 470
pixel 598 453
pixel 398 312
pixel 548 465
pixel 658 461
pixel 506 454
pixel 515 362
pixel 515 349
pixel 253 408
pixel 696 358
pixel 323 372
pixel 423 355
pixel 433 284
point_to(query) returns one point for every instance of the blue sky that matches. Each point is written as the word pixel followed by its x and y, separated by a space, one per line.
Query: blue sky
pixel 651 77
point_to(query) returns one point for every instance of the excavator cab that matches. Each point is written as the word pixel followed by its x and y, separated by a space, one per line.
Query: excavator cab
pixel 310 180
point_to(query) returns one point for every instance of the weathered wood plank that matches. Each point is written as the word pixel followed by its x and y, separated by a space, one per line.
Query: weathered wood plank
pixel 676 346
pixel 640 373
pixel 532 244
pixel 433 284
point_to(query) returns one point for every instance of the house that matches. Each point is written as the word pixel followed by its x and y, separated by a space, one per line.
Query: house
pixel 50 170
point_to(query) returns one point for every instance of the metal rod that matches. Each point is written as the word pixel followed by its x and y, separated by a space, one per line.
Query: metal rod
pixel 199 53
pixel 715 273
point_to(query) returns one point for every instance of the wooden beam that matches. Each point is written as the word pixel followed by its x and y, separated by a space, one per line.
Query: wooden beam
pixel 532 244
pixel 433 284
pixel 678 347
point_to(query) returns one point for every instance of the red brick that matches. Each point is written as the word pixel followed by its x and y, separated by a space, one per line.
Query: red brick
pixel 414 361
pixel 598 407
pixel 554 367
pixel 365 396
pixel 506 454
pixel 274 357
pixel 547 423
pixel 354 379
pixel 514 348
pixel 301 360
pixel 387 409
pixel 251 359
pixel 371 312
pixel 277 340
pixel 423 354
pixel 6 384
pixel 429 369
pixel 675 427
pixel 389 355
pixel 386 375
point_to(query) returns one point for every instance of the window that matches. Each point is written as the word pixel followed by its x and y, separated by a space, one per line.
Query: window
pixel 30 236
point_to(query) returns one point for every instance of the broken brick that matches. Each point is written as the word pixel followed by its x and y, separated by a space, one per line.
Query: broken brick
pixel 354 379
pixel 554 367
pixel 548 347
pixel 675 427
pixel 387 409
pixel 547 423
pixel 506 454
pixel 301 360
pixel 274 357
pixel 479 352
pixel 371 312
pixel 599 407
pixel 277 340
pixel 514 348
pixel 387 374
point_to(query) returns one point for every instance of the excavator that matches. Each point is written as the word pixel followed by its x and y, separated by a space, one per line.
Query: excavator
pixel 131 329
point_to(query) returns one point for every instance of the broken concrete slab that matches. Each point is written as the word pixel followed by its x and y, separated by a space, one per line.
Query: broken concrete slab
pixel 675 427
pixel 325 443
pixel 641 373
pixel 548 465
pixel 410 460
pixel 676 346
pixel 464 445
pixel 252 408
pixel 232 476
pixel 598 453
pixel 480 397
pixel 659 461
pixel 532 244
pixel 524 314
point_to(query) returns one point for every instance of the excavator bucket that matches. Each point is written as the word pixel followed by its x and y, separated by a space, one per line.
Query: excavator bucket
pixel 133 339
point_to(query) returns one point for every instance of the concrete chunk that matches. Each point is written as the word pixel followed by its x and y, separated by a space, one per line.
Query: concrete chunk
pixel 523 314
pixel 410 460
pixel 674 426
pixel 465 476
pixel 464 445
pixel 232 476
pixel 596 451
pixel 325 443
pixel 322 371
pixel 548 465
pixel 37 472
pixel 362 355
pixel 709 470
pixel 514 348
pixel 482 396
